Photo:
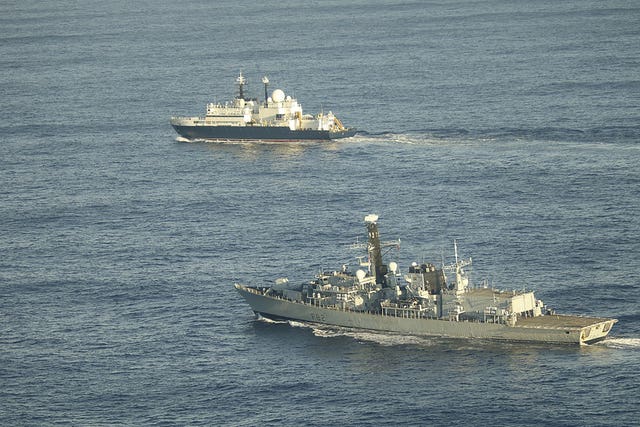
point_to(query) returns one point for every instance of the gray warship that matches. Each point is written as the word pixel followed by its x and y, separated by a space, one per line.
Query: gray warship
pixel 428 300
pixel 278 118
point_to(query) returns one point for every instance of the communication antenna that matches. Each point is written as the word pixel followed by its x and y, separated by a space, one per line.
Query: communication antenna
pixel 455 250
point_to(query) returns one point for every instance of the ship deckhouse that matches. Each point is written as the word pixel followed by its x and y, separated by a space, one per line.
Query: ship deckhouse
pixel 276 112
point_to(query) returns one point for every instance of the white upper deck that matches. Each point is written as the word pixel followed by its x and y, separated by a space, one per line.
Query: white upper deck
pixel 278 109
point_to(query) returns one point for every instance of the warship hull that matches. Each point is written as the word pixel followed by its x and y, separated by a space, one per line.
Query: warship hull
pixel 554 329
pixel 259 133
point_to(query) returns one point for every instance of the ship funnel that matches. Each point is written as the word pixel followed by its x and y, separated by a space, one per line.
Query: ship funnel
pixel 375 252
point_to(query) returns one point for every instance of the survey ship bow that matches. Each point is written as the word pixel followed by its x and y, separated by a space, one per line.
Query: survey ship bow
pixel 427 300
pixel 278 118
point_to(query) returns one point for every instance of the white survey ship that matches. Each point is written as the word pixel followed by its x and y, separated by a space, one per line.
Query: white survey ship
pixel 278 118
pixel 427 300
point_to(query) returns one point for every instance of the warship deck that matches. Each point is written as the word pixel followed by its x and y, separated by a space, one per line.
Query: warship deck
pixel 559 321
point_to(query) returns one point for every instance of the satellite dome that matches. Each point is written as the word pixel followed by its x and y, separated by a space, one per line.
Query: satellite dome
pixel 393 266
pixel 277 95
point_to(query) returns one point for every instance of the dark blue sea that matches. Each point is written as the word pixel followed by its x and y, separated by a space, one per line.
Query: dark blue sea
pixel 512 127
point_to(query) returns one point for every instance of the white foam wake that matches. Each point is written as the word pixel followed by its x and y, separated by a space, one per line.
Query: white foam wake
pixel 385 339
pixel 622 343
pixel 267 320
pixel 400 138
pixel 382 338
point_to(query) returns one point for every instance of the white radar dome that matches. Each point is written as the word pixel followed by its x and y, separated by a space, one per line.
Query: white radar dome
pixel 393 266
pixel 371 218
pixel 360 274
pixel 277 95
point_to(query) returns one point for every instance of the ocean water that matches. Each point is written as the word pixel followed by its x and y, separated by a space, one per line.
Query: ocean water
pixel 513 127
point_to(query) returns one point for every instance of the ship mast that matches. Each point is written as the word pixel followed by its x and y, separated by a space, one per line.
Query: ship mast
pixel 375 252
pixel 265 80
pixel 241 81
pixel 462 281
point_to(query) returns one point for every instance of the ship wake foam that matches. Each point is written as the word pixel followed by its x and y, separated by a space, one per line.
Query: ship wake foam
pixel 267 320
pixel 622 343
pixel 398 138
pixel 380 338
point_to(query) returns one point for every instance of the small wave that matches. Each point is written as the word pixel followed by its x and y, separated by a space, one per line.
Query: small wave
pixel 183 139
pixel 622 343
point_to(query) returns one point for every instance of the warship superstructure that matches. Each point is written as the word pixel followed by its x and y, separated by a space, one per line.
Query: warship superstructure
pixel 427 300
pixel 278 118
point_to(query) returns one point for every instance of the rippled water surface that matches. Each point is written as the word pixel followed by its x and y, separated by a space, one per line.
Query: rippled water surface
pixel 513 128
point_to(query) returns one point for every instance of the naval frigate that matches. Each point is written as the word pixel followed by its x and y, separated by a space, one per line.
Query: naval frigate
pixel 428 300
pixel 278 118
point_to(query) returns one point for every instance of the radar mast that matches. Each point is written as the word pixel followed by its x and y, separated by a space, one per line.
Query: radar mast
pixel 241 82
pixel 375 252
pixel 265 81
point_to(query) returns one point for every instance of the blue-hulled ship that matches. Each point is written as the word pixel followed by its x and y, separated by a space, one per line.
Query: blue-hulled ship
pixel 278 118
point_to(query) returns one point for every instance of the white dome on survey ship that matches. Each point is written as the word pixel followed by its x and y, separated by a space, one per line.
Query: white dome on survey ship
pixel 277 95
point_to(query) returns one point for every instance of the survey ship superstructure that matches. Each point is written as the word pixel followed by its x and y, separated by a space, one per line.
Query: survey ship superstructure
pixel 278 118
pixel 427 300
